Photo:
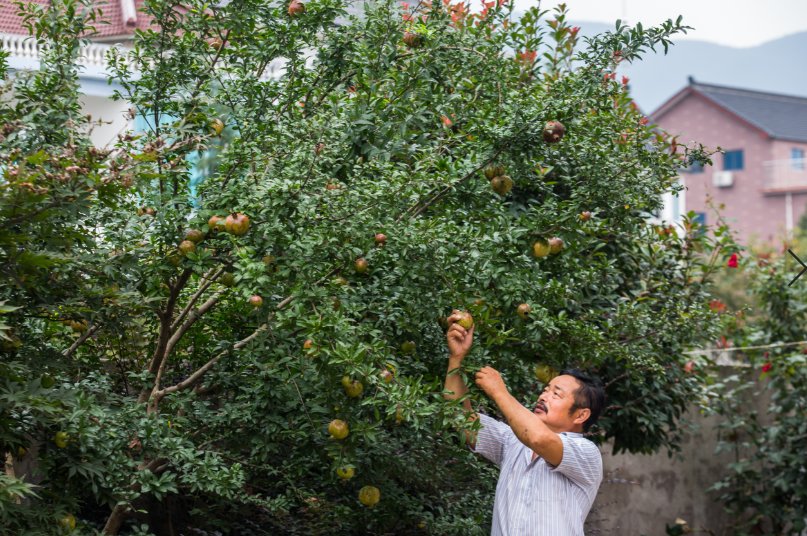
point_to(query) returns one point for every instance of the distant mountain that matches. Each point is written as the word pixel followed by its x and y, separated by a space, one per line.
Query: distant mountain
pixel 771 66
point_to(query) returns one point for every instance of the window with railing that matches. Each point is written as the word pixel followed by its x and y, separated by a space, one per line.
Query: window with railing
pixel 797 158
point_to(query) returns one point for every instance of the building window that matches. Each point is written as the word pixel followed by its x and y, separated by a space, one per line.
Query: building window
pixel 733 160
pixel 797 158
pixel 143 125
pixel 698 220
pixel 695 167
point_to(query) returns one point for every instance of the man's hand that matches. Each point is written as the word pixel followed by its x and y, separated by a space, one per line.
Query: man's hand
pixel 459 338
pixel 489 380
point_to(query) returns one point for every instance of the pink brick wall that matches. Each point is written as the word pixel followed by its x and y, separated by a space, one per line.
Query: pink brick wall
pixel 754 216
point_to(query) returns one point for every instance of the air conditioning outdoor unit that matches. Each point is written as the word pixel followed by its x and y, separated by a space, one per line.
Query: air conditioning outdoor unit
pixel 723 179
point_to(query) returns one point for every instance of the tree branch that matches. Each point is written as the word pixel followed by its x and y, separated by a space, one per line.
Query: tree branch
pixel 191 380
pixel 78 342
pixel 169 347
pixel 209 280
pixel 165 330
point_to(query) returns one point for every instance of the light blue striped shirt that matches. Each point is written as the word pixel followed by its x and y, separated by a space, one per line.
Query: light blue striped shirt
pixel 534 498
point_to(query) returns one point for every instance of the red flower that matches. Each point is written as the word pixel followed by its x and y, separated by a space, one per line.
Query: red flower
pixel 767 367
pixel 574 30
pixel 723 342
pixel 717 306
pixel 732 263
pixel 625 80
pixel 528 56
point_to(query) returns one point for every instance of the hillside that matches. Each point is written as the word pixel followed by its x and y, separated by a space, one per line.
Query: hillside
pixel 771 66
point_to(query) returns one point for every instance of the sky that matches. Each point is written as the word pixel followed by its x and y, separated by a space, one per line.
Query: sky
pixel 736 23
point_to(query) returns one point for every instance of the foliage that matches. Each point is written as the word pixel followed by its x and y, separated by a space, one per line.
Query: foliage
pixel 764 487
pixel 183 404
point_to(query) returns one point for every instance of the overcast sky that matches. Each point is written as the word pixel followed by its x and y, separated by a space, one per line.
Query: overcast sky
pixel 737 23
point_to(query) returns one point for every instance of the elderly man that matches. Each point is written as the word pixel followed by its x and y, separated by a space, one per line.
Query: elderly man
pixel 549 472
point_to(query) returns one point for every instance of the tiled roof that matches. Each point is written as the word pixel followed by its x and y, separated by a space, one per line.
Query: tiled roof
pixel 781 116
pixel 114 12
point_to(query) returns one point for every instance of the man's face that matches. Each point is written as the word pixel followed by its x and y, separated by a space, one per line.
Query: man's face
pixel 555 402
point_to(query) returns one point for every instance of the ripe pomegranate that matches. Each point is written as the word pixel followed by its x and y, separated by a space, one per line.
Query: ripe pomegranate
pixel 186 246
pixel 541 248
pixel 465 320
pixel 296 8
pixel 523 310
pixel 338 429
pixel 545 373
pixel 412 39
pixel 585 216
pixel 387 376
pixel 308 344
pixel 194 235
pixel 68 522
pixel 369 496
pixel 555 245
pixel 217 126
pixel 502 184
pixel 61 439
pixel 345 472
pixel 255 301
pixel 353 388
pixel 237 224
pixel 494 170
pixel 361 265
pixel 215 223
pixel 554 131
pixel 380 239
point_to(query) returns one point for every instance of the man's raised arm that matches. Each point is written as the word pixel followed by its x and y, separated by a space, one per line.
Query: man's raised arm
pixel 459 344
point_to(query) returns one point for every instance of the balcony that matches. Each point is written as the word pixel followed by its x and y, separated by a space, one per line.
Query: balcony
pixel 785 176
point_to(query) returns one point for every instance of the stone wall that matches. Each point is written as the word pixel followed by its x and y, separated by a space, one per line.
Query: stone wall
pixel 642 493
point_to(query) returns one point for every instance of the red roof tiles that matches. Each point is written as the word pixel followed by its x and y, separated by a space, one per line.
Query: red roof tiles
pixel 113 13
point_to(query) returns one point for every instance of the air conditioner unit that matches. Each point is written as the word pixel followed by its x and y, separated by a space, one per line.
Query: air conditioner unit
pixel 723 179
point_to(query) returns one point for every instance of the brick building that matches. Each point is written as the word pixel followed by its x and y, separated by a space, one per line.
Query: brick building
pixel 762 176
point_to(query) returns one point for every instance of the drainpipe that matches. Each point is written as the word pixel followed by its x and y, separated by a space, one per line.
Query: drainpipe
pixel 128 13
pixel 789 214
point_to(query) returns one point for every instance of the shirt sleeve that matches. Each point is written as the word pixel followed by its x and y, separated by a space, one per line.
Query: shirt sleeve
pixel 492 439
pixel 581 462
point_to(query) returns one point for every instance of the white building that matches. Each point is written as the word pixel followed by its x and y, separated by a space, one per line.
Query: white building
pixel 121 19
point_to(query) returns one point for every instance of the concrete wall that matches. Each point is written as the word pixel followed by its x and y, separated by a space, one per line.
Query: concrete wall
pixel 642 493
pixel 112 114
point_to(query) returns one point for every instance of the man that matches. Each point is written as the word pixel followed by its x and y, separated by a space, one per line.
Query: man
pixel 550 473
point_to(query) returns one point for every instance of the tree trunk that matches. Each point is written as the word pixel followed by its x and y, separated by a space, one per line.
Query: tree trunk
pixel 115 520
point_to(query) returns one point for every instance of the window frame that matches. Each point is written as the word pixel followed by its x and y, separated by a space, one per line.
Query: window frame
pixel 734 153
pixel 797 162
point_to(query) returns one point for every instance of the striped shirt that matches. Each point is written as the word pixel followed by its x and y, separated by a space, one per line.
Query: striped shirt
pixel 534 498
